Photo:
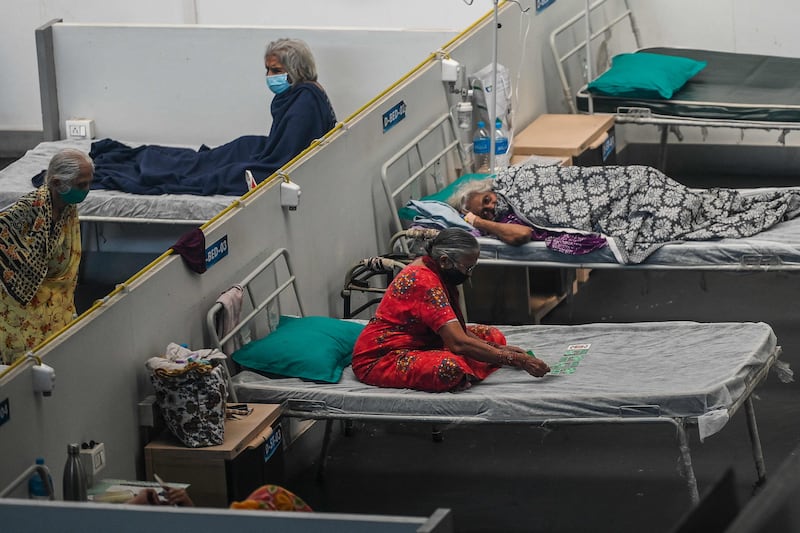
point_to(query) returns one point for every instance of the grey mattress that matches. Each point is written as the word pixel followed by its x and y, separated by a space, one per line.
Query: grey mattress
pixel 676 369
pixel 776 248
pixel 15 180
pixel 733 86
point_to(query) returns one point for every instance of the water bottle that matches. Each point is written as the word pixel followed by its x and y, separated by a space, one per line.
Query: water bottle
pixel 480 149
pixel 74 475
pixel 37 489
pixel 501 155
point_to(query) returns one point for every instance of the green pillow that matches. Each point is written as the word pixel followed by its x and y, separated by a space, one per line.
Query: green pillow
pixel 645 75
pixel 313 347
pixel 443 195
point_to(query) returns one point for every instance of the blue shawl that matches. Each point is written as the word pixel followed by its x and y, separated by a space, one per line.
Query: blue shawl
pixel 299 115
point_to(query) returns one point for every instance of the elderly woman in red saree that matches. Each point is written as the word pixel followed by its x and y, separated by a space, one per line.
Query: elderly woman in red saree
pixel 418 338
pixel 40 251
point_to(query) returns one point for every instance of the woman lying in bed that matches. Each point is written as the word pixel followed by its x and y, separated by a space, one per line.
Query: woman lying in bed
pixel 490 214
pixel 418 338
pixel 637 208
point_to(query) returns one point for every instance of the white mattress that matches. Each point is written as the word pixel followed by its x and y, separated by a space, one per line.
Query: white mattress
pixel 15 180
pixel 775 248
pixel 675 369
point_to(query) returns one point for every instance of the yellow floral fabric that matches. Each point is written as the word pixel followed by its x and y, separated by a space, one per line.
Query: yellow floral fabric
pixel 39 241
pixel 272 498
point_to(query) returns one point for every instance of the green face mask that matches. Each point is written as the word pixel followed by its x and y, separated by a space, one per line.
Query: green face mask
pixel 74 196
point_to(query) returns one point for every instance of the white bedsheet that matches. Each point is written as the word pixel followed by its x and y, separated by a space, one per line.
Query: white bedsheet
pixel 15 180
pixel 674 369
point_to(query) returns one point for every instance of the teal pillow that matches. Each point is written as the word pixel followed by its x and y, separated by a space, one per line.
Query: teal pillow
pixel 313 347
pixel 645 75
pixel 443 195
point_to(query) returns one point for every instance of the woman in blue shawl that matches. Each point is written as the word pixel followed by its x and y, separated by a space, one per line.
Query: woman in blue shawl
pixel 301 113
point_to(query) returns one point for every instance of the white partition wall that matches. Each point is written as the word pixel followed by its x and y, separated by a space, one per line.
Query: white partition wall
pixel 205 84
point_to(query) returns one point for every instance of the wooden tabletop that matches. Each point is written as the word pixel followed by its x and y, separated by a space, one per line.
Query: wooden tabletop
pixel 562 135
pixel 239 433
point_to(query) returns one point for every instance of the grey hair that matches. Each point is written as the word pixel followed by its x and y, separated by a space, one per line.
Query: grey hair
pixel 296 58
pixel 467 190
pixel 65 167
pixel 454 243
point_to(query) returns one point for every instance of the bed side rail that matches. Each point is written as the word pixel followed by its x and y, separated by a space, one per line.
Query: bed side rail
pixel 258 304
pixel 576 26
pixel 413 154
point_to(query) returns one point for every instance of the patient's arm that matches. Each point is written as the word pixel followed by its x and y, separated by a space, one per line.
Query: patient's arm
pixel 513 234
pixel 457 341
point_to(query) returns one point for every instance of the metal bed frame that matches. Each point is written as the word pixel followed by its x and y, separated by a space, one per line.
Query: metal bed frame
pixel 319 410
pixel 446 145
pixel 636 115
pixel 747 262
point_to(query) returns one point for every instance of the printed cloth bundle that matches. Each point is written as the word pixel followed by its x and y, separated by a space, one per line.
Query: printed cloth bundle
pixel 191 391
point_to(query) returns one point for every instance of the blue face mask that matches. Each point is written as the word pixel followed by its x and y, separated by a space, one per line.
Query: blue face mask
pixel 278 83
pixel 74 196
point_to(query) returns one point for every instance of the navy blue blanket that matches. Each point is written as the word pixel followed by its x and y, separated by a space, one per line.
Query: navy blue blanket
pixel 299 116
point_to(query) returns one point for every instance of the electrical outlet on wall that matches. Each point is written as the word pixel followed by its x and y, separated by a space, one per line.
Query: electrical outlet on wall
pixel 94 460
pixel 80 129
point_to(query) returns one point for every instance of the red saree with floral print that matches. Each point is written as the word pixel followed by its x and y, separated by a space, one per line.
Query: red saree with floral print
pixel 399 347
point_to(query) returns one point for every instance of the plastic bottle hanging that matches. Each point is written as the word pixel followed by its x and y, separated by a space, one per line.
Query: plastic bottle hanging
pixel 481 145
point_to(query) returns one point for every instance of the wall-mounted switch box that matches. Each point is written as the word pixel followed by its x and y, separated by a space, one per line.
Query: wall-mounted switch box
pixel 80 129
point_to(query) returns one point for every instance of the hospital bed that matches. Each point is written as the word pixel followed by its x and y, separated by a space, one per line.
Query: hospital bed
pixel 105 205
pixel 120 232
pixel 734 90
pixel 777 248
pixel 679 374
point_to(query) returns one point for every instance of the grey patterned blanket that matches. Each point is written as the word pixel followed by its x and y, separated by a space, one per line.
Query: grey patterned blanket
pixel 638 208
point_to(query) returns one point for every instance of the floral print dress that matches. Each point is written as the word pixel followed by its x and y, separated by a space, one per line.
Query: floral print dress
pixel 400 347
pixel 30 243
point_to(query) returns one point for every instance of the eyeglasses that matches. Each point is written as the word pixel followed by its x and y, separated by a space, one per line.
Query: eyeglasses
pixel 465 270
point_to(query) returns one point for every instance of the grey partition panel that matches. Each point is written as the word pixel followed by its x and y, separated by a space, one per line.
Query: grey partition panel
pixel 47 80
pixel 205 84
pixel 24 516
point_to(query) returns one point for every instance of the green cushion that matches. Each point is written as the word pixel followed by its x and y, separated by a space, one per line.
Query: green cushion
pixel 443 195
pixel 314 347
pixel 645 75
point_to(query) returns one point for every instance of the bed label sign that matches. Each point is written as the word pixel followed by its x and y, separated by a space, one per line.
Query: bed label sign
pixel 5 412
pixel 216 251
pixel 541 4
pixel 272 443
pixel 393 116
pixel 608 147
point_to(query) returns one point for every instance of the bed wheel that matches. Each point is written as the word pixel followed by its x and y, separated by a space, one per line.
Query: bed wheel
pixel 437 435
pixel 348 428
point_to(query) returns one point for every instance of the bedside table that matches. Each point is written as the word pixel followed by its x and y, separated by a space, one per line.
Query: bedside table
pixel 587 139
pixel 250 456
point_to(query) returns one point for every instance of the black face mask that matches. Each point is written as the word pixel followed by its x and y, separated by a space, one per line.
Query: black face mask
pixel 453 276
